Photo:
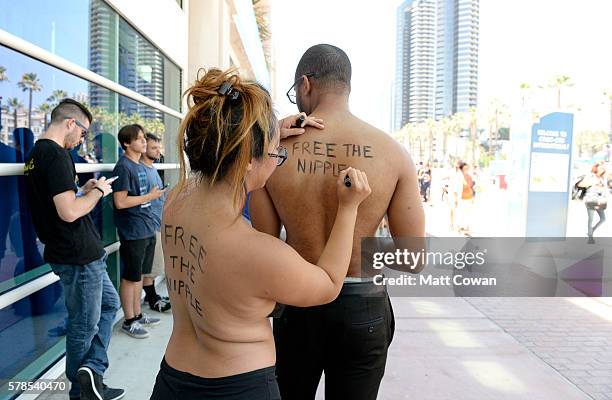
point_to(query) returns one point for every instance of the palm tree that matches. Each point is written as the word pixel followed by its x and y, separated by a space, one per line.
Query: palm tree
pixel 498 116
pixel 558 83
pixel 56 96
pixel 409 132
pixel 454 125
pixel 416 133
pixel 524 92
pixel 590 142
pixel 473 119
pixel 44 108
pixel 262 11
pixel 608 94
pixel 30 83
pixel 431 127
pixel 444 125
pixel 15 104
pixel 3 76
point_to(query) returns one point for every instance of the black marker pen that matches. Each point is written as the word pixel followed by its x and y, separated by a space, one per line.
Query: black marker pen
pixel 347 181
pixel 299 122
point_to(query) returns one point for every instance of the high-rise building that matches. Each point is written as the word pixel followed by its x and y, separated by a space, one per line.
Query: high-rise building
pixel 437 59
pixel 141 69
pixel 457 56
pixel 102 39
pixel 415 68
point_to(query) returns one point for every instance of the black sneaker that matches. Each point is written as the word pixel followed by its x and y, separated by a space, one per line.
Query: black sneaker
pixel 160 305
pixel 109 393
pixel 91 384
pixel 112 393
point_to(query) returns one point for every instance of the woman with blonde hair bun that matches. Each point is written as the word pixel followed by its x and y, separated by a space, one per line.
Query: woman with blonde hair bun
pixel 224 277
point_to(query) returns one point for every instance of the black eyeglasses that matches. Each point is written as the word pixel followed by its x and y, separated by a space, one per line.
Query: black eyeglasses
pixel 84 130
pixel 280 155
pixel 291 95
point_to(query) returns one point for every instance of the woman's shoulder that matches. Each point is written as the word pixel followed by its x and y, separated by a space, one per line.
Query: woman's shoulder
pixel 246 242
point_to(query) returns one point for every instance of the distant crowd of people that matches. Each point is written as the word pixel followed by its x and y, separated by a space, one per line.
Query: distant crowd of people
pixel 458 190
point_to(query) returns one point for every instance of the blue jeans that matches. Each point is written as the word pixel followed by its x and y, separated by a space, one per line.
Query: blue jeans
pixel 602 219
pixel 92 302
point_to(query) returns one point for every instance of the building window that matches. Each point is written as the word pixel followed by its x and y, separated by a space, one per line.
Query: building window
pixel 27 326
pixel 21 125
pixel 92 35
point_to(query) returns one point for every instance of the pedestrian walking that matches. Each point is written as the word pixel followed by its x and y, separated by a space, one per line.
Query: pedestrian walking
pixel 596 198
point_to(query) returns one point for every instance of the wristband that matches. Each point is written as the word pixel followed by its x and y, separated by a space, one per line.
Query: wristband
pixel 101 191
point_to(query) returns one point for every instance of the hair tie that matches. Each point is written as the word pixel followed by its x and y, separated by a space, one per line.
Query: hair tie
pixel 227 90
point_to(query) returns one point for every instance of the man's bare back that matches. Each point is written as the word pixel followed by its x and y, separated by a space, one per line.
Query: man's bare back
pixel 303 189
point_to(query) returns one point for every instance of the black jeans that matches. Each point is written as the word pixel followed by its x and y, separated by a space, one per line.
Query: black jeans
pixel 348 339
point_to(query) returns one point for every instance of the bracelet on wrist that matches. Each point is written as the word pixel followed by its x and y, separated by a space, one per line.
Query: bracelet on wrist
pixel 101 191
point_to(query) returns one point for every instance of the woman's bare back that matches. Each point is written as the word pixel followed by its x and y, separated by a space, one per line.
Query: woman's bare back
pixel 220 322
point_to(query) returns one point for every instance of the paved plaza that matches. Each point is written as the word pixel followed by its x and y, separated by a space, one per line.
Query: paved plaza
pixel 456 348
pixel 453 348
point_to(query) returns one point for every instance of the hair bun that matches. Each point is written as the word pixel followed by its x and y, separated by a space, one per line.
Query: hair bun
pixel 210 82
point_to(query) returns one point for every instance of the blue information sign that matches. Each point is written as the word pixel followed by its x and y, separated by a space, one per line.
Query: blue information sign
pixel 549 175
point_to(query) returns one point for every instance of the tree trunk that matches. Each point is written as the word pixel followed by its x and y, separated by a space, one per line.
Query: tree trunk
pixel 15 118
pixel 490 141
pixel 496 132
pixel 558 97
pixel 610 135
pixel 30 111
pixel 445 145
pixel 473 137
pixel 431 140
pixel 420 149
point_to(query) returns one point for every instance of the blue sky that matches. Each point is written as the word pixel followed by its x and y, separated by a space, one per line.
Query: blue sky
pixel 32 20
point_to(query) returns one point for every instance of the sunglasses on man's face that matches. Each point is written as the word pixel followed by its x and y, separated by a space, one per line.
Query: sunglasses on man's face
pixel 84 130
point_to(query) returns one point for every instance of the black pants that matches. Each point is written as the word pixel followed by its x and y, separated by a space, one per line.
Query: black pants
pixel 172 384
pixel 348 339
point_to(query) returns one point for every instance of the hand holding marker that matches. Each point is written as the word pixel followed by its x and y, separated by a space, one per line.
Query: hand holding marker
pixel 299 122
pixel 347 181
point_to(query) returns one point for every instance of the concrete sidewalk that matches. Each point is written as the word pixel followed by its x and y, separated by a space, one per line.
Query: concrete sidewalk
pixel 444 348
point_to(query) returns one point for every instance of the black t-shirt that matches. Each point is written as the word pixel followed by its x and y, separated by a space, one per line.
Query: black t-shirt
pixel 49 171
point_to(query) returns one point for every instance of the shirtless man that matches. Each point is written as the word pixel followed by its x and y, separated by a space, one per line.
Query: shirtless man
pixel 348 338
